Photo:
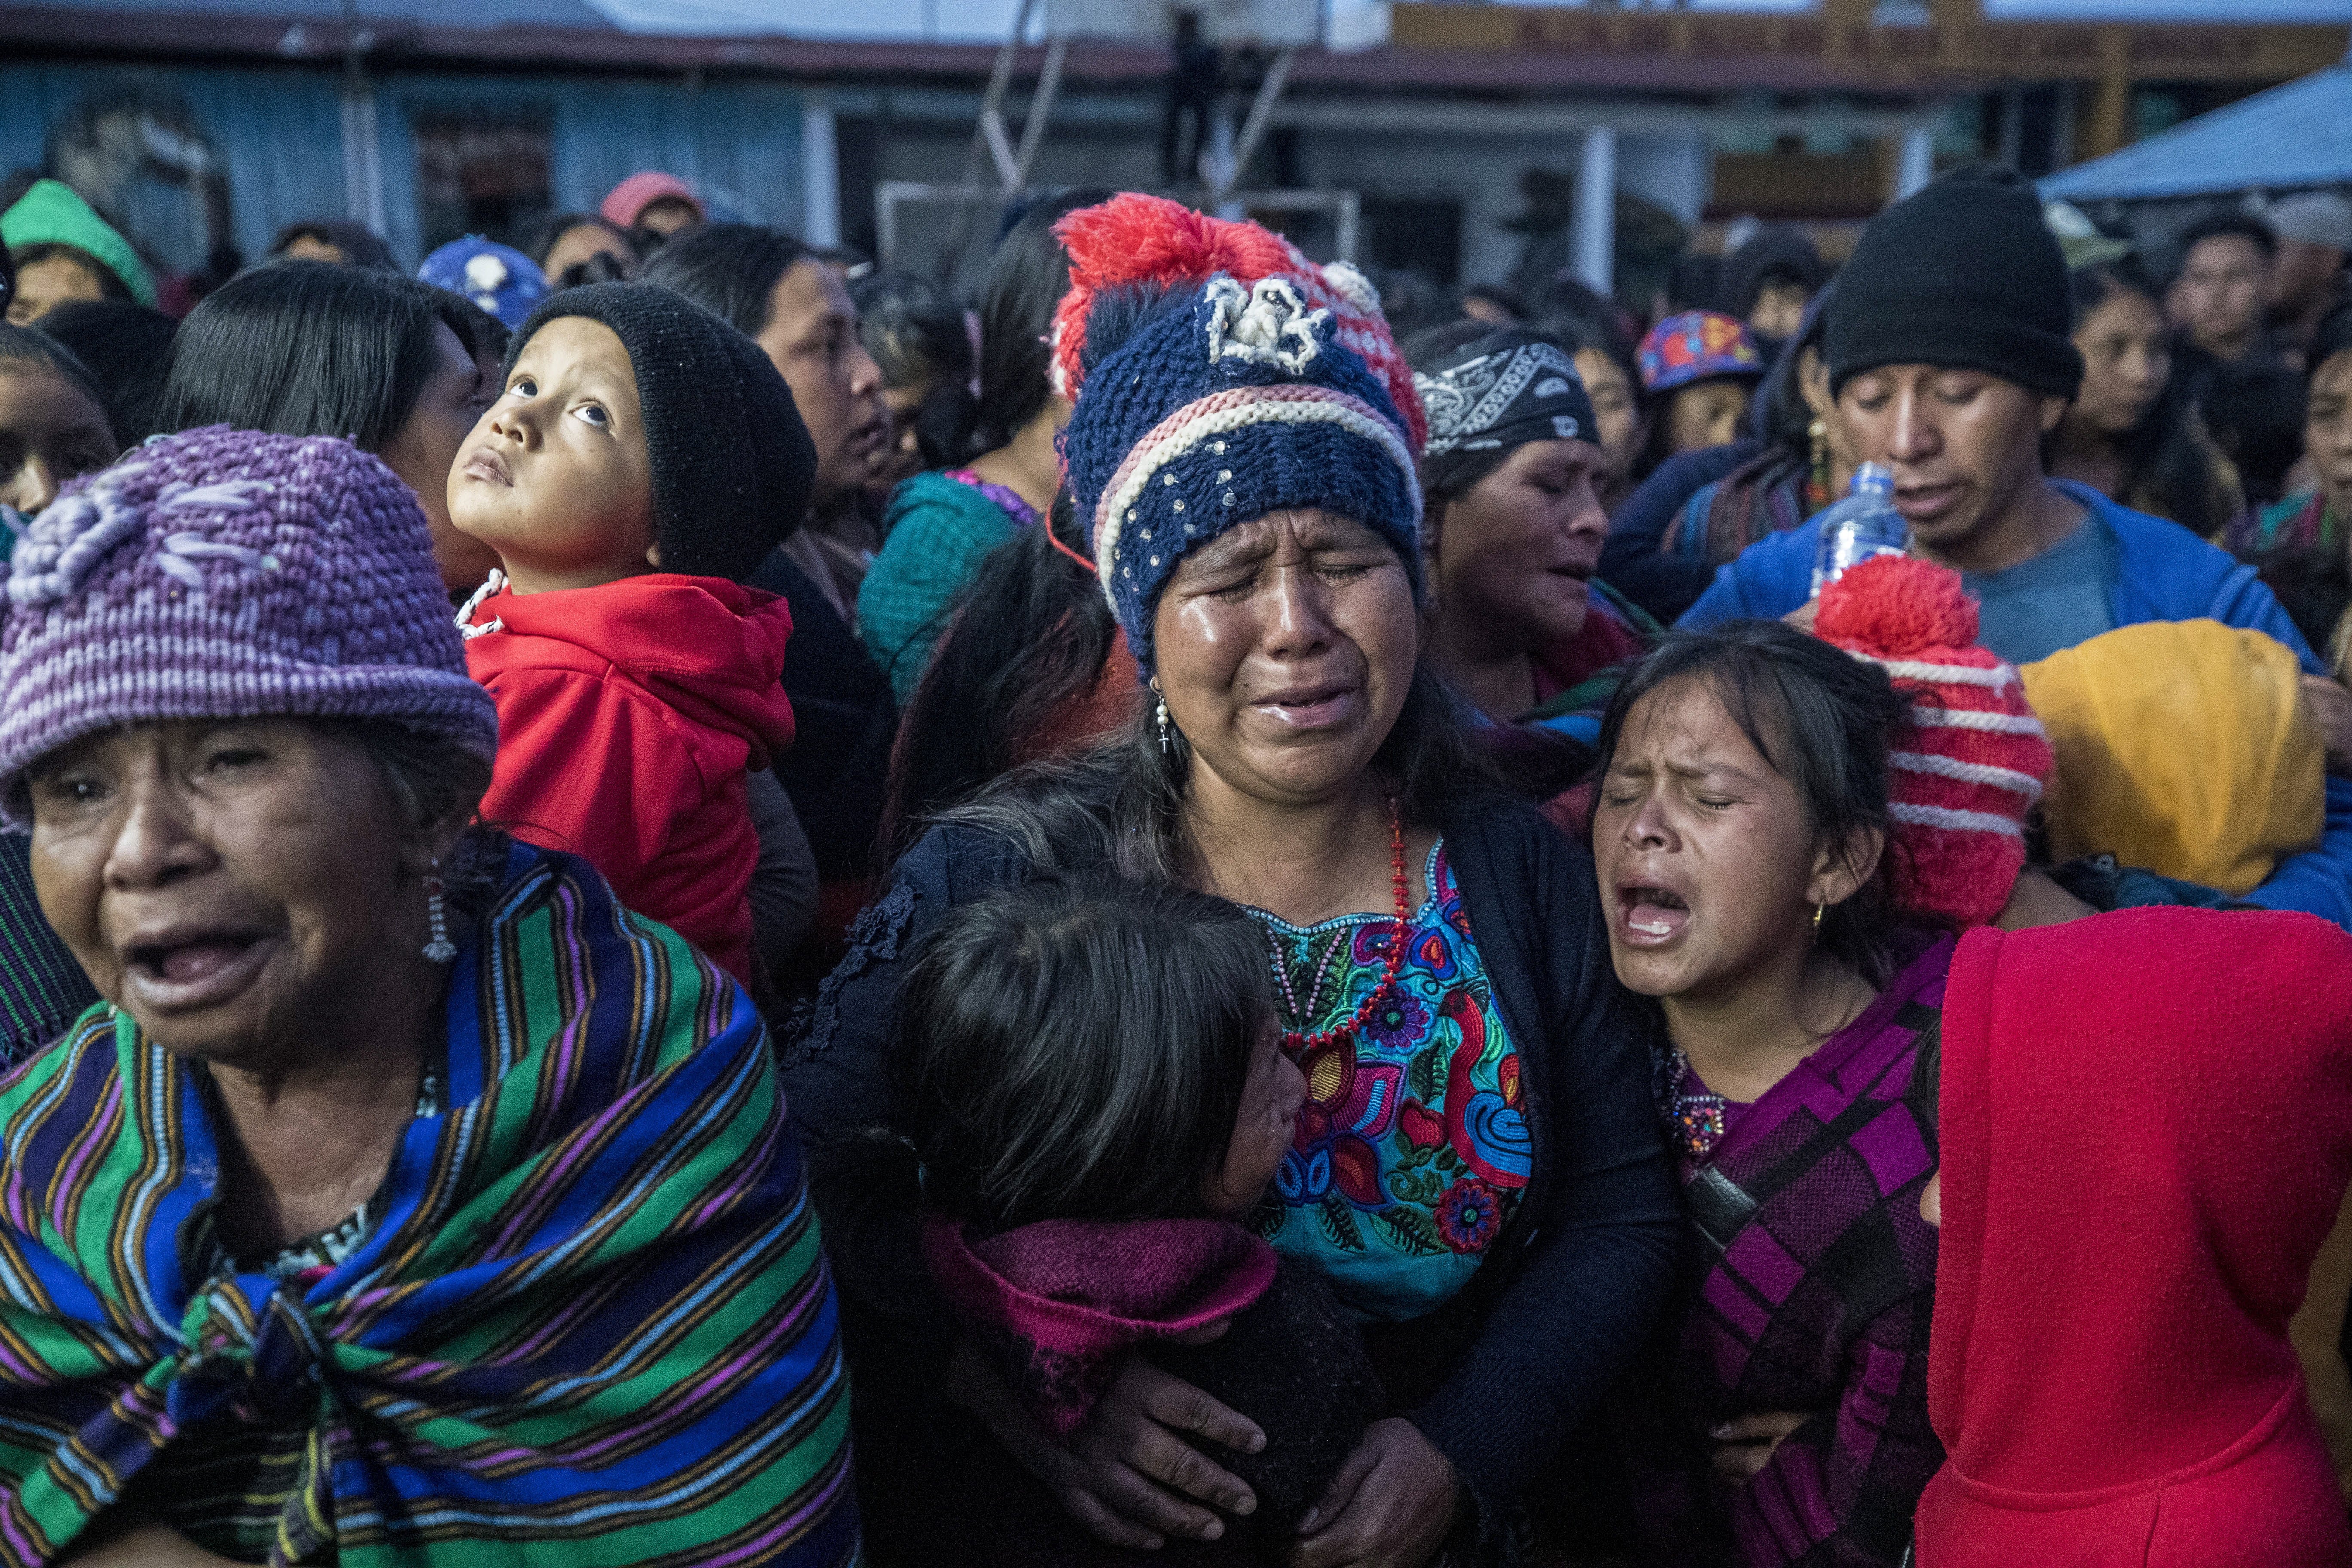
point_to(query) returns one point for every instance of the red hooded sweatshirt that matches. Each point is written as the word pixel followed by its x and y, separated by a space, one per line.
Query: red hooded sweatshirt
pixel 2146 1130
pixel 627 715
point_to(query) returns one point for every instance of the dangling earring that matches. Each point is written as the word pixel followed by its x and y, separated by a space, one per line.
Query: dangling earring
pixel 1819 910
pixel 1820 485
pixel 1159 717
pixel 440 950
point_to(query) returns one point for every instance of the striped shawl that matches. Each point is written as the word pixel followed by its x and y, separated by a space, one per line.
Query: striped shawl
pixel 591 1324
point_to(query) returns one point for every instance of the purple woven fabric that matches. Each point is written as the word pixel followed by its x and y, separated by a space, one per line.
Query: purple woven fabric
pixel 222 573
pixel 1817 1301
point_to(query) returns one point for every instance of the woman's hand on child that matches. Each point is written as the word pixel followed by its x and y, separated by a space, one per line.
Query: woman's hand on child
pixel 1390 1506
pixel 1132 1477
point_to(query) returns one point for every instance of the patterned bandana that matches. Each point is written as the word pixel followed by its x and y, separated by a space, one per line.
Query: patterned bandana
pixel 1496 392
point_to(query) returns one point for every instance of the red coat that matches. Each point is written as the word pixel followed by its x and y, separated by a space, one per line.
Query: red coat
pixel 627 716
pixel 2146 1128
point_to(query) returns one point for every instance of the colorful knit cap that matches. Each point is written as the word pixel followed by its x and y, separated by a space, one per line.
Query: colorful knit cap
pixel 497 277
pixel 1226 402
pixel 1695 345
pixel 51 211
pixel 224 573
pixel 1135 241
pixel 1974 760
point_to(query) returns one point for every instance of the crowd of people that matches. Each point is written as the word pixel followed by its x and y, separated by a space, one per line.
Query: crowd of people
pixel 672 900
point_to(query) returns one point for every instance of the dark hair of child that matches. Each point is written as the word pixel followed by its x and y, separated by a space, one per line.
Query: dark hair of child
pixel 309 347
pixel 1026 641
pixel 915 334
pixel 126 347
pixel 1825 722
pixel 729 268
pixel 1077 1050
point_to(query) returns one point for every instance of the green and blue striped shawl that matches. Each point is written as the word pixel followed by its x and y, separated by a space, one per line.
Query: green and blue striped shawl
pixel 590 1326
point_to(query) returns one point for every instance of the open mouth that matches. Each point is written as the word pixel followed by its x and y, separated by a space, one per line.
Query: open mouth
pixel 194 970
pixel 1651 915
pixel 1308 707
pixel 1925 502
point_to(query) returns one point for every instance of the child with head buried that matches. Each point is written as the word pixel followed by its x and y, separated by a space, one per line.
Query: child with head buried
pixel 1090 1078
pixel 642 459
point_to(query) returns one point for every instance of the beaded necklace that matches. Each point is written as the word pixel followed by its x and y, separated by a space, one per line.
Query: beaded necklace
pixel 1296 1043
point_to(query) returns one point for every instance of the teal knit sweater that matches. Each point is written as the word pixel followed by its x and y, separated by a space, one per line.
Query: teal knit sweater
pixel 936 532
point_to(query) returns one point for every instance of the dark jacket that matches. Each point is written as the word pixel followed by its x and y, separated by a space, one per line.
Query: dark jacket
pixel 837 770
pixel 1569 1289
pixel 1634 560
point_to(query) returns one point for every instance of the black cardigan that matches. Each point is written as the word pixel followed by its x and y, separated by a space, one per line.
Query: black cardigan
pixel 1572 1285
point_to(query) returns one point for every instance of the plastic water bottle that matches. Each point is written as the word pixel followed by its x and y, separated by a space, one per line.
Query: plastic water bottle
pixel 1864 524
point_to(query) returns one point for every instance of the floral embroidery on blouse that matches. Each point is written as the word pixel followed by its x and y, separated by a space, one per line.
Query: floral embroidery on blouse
pixel 1412 1146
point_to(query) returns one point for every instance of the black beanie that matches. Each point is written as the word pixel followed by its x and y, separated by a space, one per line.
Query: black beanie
pixel 732 462
pixel 1963 274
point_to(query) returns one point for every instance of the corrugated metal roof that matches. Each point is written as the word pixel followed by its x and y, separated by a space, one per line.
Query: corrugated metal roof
pixel 2290 136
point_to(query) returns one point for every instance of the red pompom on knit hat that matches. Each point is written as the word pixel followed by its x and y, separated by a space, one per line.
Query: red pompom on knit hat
pixel 1974 759
pixel 1133 238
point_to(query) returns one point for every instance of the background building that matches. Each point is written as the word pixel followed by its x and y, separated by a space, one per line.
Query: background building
pixel 1467 131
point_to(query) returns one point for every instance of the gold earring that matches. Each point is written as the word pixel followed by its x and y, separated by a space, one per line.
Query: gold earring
pixel 1819 910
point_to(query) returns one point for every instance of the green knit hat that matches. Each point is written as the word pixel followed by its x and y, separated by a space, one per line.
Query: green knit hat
pixel 53 213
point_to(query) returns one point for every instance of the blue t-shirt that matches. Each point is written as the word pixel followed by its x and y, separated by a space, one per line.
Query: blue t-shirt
pixel 2050 601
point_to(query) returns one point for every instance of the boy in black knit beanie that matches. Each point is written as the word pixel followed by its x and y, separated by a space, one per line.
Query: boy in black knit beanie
pixel 643 458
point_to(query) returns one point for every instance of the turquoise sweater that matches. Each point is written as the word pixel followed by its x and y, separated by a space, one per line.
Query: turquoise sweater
pixel 936 532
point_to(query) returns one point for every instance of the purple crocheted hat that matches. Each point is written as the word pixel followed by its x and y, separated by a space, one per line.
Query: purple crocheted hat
pixel 222 573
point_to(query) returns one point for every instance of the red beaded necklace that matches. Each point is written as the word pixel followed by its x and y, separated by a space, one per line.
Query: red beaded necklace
pixel 1297 1044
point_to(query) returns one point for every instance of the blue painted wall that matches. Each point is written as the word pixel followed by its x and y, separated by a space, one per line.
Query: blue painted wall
pixel 280 131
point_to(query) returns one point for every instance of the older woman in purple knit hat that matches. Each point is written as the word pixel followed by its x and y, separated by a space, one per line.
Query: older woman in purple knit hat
pixel 335 1232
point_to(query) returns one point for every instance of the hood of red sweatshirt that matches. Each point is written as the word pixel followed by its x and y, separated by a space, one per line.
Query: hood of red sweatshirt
pixel 2146 1125
pixel 711 649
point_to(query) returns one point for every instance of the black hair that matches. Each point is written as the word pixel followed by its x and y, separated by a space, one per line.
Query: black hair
pixel 915 334
pixel 728 269
pixel 361 247
pixel 1776 253
pixel 109 285
pixel 30 345
pixel 1825 722
pixel 1779 415
pixel 553 227
pixel 1414 303
pixel 2166 465
pixel 2242 226
pixel 1076 1050
pixel 1025 643
pixel 308 348
pixel 1501 296
pixel 2333 336
pixel 126 347
pixel 1026 279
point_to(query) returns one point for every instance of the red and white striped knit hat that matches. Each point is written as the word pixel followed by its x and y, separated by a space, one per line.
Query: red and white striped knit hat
pixel 1974 759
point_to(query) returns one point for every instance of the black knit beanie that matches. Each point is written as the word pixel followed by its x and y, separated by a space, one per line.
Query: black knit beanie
pixel 1962 274
pixel 732 462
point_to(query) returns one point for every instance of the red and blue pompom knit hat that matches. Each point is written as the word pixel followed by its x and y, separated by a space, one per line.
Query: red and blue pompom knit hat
pixel 1219 403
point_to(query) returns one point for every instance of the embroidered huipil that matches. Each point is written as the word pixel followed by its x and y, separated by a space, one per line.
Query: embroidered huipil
pixel 1412 1149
